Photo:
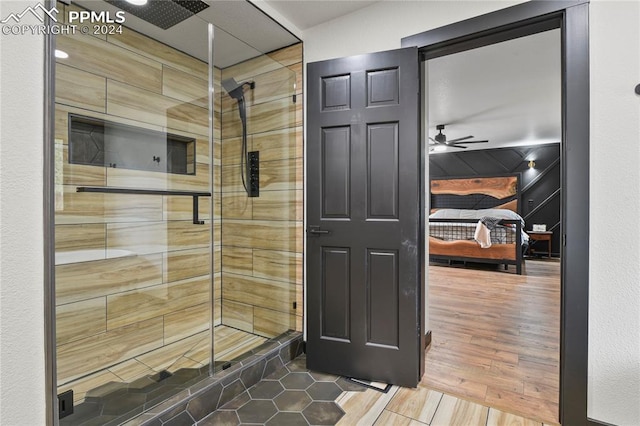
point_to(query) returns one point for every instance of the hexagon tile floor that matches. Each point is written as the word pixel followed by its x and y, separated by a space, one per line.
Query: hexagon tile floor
pixel 291 396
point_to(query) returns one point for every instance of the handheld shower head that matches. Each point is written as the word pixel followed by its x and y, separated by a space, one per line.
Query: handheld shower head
pixel 235 89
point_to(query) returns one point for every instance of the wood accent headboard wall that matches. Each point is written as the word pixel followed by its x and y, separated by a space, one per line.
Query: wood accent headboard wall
pixel 492 192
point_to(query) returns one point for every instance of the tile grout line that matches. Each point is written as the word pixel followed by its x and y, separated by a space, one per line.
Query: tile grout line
pixel 405 416
pixel 437 408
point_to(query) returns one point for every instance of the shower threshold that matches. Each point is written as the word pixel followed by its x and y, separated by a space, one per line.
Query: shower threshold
pixel 192 352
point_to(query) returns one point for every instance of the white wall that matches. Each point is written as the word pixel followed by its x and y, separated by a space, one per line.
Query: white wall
pixel 614 305
pixel 382 25
pixel 22 378
pixel 614 346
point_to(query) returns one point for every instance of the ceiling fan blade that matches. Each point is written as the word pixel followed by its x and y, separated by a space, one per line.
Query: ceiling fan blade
pixel 457 146
pixel 475 142
pixel 459 139
pixel 432 140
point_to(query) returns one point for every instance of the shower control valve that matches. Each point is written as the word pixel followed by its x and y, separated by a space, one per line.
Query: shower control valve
pixel 253 172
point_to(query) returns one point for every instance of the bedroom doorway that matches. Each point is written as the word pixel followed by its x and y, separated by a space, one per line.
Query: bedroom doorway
pixel 493 127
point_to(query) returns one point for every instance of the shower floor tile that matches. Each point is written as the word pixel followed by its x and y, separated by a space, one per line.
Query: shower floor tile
pixel 191 352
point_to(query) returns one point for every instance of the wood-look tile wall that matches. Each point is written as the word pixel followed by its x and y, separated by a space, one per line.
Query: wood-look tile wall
pixel 133 273
pixel 262 237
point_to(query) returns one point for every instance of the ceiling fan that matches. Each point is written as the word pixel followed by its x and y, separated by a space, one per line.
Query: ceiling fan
pixel 441 140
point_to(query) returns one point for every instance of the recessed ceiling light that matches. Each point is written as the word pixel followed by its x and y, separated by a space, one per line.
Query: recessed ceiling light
pixel 60 54
pixel 137 2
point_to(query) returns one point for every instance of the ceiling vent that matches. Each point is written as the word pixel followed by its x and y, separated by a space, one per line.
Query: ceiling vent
pixel 162 13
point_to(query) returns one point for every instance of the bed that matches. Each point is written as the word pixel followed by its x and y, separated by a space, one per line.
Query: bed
pixel 477 220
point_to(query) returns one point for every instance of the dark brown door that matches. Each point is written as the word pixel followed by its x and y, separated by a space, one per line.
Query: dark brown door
pixel 363 172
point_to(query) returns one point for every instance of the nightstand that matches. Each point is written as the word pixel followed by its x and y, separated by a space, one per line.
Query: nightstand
pixel 540 236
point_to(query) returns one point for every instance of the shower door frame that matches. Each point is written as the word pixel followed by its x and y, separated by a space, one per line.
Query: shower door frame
pixel 51 380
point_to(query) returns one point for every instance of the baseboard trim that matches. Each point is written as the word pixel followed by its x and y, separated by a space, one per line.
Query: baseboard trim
pixel 593 422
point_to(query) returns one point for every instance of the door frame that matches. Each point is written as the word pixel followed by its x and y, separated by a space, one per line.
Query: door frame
pixel 572 17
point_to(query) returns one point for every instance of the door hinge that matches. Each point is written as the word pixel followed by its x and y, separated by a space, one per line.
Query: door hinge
pixel 295 98
pixel 295 305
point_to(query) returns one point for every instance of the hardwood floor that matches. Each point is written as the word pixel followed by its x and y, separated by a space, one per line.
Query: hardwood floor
pixel 495 337
pixel 421 406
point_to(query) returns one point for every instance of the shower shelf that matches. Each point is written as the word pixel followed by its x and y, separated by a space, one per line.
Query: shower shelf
pixel 113 190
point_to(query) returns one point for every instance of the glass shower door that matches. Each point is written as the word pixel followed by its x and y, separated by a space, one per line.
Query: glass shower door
pixel 133 219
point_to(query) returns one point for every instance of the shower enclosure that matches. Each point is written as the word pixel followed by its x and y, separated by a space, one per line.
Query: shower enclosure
pixel 166 270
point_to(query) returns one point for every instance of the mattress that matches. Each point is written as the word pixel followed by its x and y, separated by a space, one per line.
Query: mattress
pixel 451 231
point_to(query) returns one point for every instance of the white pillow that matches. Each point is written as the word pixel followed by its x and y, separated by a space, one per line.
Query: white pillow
pixel 446 214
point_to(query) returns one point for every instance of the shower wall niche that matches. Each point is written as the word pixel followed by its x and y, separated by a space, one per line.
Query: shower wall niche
pixel 97 142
